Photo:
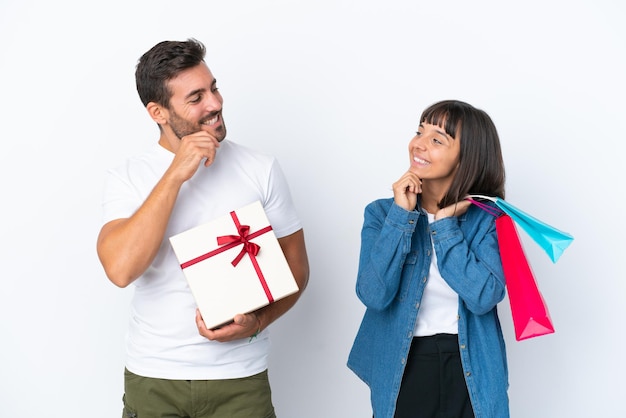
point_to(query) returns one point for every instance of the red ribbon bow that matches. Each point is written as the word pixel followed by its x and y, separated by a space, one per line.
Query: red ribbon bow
pixel 242 238
pixel 227 242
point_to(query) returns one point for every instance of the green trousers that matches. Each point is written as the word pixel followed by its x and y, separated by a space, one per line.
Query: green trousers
pixel 248 397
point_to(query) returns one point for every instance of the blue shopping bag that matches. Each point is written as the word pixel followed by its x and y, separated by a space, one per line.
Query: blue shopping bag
pixel 550 239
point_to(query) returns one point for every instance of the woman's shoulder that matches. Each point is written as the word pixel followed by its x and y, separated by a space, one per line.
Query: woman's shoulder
pixel 481 218
pixel 382 204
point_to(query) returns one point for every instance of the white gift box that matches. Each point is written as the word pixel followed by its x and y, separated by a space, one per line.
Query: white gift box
pixel 233 264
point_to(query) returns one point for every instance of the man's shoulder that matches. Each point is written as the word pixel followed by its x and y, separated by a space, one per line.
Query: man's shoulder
pixel 243 148
pixel 148 159
pixel 245 152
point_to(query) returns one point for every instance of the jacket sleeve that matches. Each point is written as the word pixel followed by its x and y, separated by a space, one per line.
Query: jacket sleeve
pixel 469 260
pixel 385 242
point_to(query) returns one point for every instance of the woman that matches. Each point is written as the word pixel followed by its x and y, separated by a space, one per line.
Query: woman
pixel 430 276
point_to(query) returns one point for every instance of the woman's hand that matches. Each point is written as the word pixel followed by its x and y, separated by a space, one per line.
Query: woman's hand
pixel 456 209
pixel 406 189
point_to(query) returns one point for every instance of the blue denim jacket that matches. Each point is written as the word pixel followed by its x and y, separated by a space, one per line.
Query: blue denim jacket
pixel 393 268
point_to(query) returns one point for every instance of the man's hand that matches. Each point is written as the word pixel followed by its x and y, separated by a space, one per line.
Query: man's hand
pixel 243 326
pixel 191 151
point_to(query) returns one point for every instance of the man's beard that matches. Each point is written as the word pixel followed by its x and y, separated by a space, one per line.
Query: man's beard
pixel 182 127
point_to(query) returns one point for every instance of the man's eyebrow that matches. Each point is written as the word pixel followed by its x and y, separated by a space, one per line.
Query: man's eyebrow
pixel 198 91
pixel 193 93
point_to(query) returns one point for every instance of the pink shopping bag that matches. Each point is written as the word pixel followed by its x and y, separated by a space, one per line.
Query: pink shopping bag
pixel 528 308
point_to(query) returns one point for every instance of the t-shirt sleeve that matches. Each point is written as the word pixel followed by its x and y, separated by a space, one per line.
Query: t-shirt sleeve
pixel 279 206
pixel 119 200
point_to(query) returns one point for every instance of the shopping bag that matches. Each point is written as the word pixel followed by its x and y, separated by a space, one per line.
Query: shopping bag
pixel 550 239
pixel 528 308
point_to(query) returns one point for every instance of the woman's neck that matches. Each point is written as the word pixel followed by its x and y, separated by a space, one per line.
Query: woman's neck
pixel 431 196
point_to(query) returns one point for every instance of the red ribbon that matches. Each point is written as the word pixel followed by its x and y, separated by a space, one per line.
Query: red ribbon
pixel 230 241
pixel 248 247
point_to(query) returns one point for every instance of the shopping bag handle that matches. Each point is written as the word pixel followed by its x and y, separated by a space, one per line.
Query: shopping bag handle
pixel 489 209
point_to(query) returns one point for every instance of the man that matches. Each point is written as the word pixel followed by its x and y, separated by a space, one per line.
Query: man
pixel 176 367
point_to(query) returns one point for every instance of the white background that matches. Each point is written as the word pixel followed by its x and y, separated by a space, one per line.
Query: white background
pixel 334 89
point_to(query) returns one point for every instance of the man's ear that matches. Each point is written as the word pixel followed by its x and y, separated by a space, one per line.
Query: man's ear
pixel 158 113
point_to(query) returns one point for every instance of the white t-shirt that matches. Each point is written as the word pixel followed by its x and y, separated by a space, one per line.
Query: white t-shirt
pixel 163 340
pixel 439 308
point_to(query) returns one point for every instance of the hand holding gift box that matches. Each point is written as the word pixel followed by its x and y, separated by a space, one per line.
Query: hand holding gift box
pixel 233 264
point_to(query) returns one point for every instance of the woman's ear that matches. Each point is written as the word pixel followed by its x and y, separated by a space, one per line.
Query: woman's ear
pixel 157 112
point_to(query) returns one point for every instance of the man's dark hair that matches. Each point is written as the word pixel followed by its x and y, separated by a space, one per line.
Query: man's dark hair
pixel 163 62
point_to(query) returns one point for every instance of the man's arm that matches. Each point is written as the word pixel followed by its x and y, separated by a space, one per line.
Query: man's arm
pixel 246 325
pixel 126 247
